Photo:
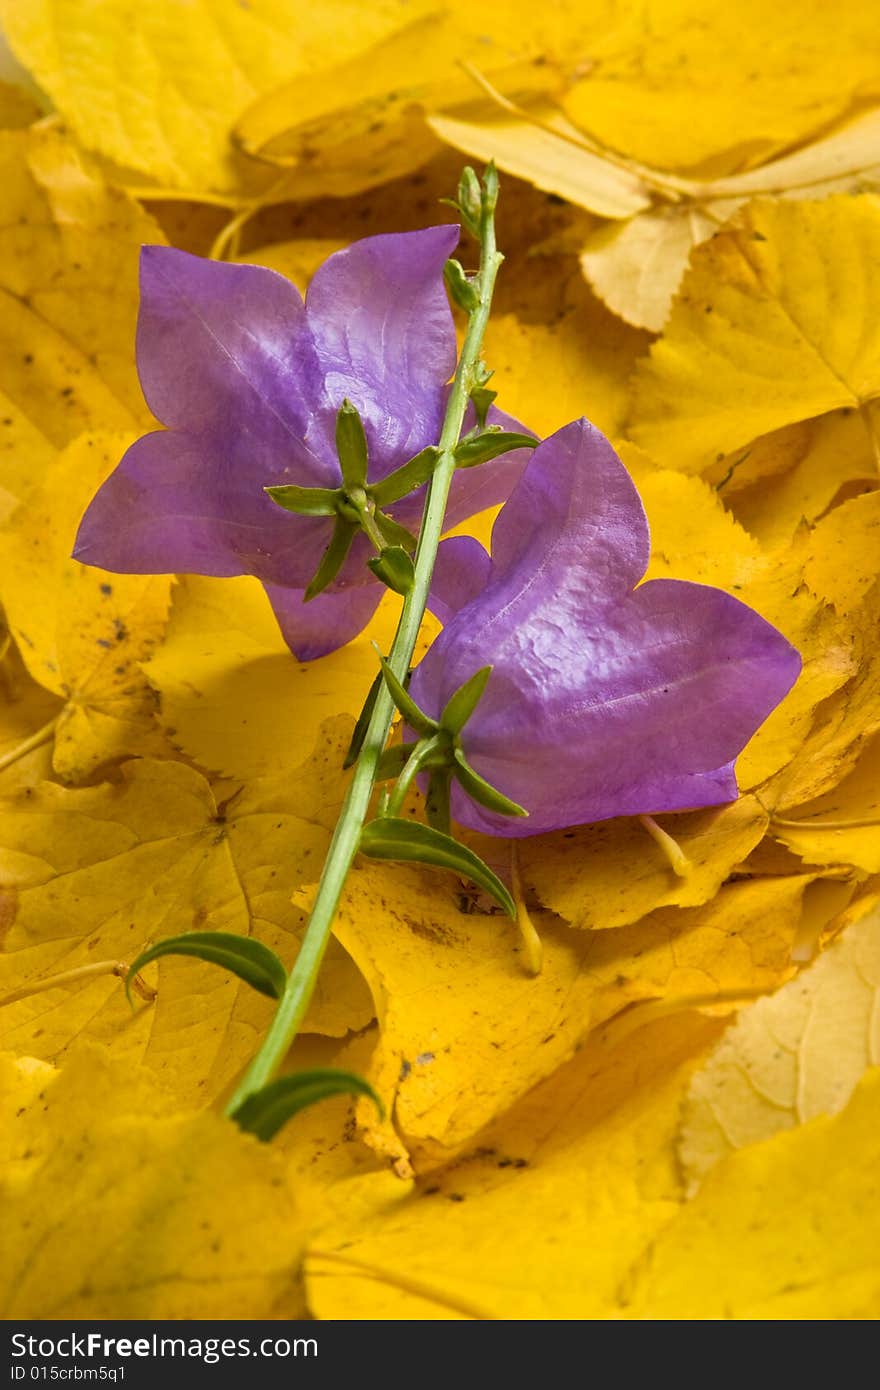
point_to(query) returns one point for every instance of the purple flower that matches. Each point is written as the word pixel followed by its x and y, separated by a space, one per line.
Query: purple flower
pixel 249 379
pixel 604 699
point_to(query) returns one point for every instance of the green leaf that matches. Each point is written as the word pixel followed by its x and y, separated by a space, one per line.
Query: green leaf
pixel 490 188
pixel 305 501
pixel 482 399
pixel 412 842
pixel 333 559
pixel 482 791
pixel 461 705
pixel 250 960
pixel 462 290
pixel 351 446
pixel 488 445
pixel 406 479
pixel 394 533
pixel 394 568
pixel 263 1112
pixel 404 703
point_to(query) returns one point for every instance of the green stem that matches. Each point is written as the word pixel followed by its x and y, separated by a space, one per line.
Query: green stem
pixel 346 837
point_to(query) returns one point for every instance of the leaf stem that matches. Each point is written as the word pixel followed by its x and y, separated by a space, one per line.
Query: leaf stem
pixel 119 968
pixel 346 837
pixel 27 745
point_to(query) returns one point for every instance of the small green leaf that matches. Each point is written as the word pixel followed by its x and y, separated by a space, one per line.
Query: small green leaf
pixel 394 533
pixel 250 960
pixel 305 501
pixel 482 399
pixel 404 703
pixel 406 479
pixel 264 1112
pixel 462 290
pixel 489 445
pixel 461 705
pixel 394 568
pixel 482 791
pixel 333 559
pixel 412 842
pixel 351 446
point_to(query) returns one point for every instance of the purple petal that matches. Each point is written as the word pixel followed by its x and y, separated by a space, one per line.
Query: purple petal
pixel 602 701
pixel 227 348
pixel 385 339
pixel 181 504
pixel 461 571
pixel 318 627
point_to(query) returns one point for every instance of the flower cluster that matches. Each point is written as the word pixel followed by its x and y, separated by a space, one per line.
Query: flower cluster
pixel 606 697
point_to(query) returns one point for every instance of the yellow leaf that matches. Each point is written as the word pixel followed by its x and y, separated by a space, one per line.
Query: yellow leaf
pixel 843 556
pixel 27 716
pixel 636 266
pixel 118 1207
pixel 560 354
pixel 68 305
pixel 611 874
pixel 844 722
pixel 233 696
pixel 797 1054
pixel 18 108
pixel 82 632
pixel 190 70
pixel 675 85
pixel 783 1230
pixel 545 1215
pixel 465 1031
pixel 813 463
pixel 96 874
pixel 842 826
pixel 549 151
pixel 775 323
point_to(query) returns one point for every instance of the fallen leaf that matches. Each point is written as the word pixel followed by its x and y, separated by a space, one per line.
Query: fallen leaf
pixel 611 874
pixel 117 1206
pixel 578 1176
pixel 465 1030
pixel 68 286
pixel 774 324
pixel 96 874
pixel 783 1230
pixel 233 697
pixel 82 632
pixel 160 114
pixel 797 1054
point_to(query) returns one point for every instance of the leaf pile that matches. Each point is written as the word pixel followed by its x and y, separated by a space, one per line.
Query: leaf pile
pixel 678 1118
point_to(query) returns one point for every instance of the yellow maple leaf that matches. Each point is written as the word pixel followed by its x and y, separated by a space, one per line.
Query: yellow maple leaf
pixel 611 874
pixel 27 713
pixel 775 323
pixel 115 1205
pixel 797 1054
pixel 91 876
pixel 68 288
pixel 786 1229
pixel 82 632
pixel 160 115
pixel 545 1215
pixel 464 1029
pixel 231 694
